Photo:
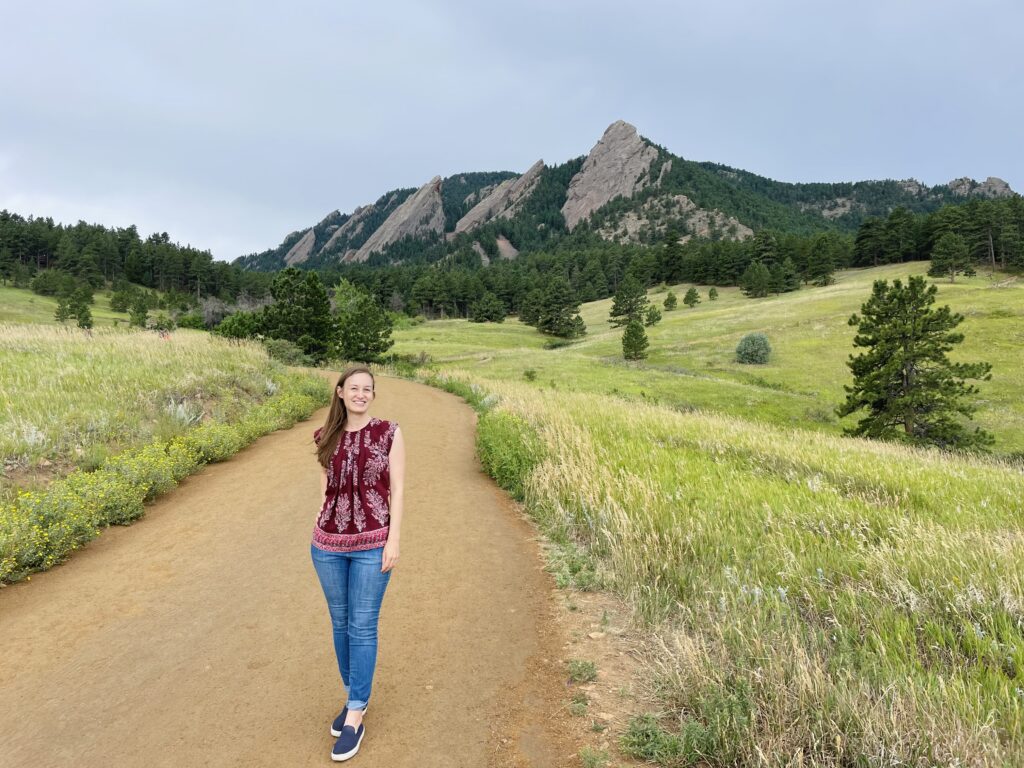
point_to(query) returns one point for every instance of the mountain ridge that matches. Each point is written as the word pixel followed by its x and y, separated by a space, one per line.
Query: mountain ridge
pixel 627 189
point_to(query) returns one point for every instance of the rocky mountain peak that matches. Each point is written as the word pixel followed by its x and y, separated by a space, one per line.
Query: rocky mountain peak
pixel 422 213
pixel 503 201
pixel 990 187
pixel 617 165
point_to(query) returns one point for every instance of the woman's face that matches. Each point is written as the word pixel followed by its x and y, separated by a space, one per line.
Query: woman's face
pixel 357 392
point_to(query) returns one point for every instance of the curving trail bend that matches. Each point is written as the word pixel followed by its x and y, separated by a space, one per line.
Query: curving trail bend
pixel 199 635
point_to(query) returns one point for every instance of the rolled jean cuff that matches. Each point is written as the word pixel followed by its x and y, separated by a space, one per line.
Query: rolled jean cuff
pixel 356 705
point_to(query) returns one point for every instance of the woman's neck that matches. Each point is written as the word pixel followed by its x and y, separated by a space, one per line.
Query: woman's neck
pixel 354 423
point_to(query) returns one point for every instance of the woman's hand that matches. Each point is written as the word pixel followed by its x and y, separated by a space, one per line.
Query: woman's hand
pixel 390 557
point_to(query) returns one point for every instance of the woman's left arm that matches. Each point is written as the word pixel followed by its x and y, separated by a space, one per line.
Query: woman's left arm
pixel 396 462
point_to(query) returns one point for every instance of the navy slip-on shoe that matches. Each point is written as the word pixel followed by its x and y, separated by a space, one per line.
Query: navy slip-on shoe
pixel 348 743
pixel 339 721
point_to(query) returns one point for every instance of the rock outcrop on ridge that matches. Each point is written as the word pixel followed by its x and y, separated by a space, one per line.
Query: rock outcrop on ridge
pixel 503 201
pixel 421 214
pixel 990 187
pixel 617 165
pixel 301 250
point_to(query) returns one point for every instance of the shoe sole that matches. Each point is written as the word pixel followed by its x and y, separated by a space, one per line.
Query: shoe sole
pixel 351 753
pixel 336 734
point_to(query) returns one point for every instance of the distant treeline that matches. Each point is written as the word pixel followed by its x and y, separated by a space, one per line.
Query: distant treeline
pixel 97 255
pixel 992 229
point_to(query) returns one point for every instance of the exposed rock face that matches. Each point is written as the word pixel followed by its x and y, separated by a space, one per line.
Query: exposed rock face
pixel 503 201
pixel 913 186
pixel 505 249
pixel 655 212
pixel 422 213
pixel 831 209
pixel 990 187
pixel 301 250
pixel 617 165
pixel 352 226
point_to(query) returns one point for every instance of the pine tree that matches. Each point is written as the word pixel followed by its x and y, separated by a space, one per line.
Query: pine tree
pixel 301 313
pixel 530 308
pixel 821 265
pixel 138 312
pixel 790 278
pixel 364 329
pixel 756 281
pixel 630 302
pixel 911 390
pixel 559 315
pixel 652 315
pixel 671 302
pixel 634 341
pixel 488 309
pixel 672 257
pixel 692 298
pixel 7 262
pixel 64 311
pixel 712 294
pixel 949 256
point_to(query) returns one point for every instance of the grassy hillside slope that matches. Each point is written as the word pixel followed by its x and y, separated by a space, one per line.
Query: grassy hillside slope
pixel 691 362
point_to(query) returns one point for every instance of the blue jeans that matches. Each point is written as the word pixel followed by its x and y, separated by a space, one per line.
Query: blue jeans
pixel 354 588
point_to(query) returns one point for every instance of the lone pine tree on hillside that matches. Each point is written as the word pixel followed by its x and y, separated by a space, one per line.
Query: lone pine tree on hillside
pixel 634 341
pixel 671 302
pixel 692 298
pixel 560 311
pixel 911 390
pixel 630 302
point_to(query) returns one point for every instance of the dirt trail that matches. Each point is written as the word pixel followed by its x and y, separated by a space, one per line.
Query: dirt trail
pixel 199 635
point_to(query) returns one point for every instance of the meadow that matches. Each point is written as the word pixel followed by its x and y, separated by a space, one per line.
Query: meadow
pixel 20 305
pixel 807 598
pixel 691 355
pixel 811 599
pixel 94 425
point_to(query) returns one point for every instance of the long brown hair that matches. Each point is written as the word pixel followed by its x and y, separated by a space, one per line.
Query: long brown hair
pixel 330 432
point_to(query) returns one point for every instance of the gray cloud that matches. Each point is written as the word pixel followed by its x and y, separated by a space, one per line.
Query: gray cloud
pixel 230 124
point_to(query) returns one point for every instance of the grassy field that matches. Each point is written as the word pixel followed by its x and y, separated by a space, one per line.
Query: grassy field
pixel 20 305
pixel 69 400
pixel 814 599
pixel 691 362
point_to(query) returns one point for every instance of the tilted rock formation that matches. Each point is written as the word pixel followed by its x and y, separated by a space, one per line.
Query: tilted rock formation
pixel 301 250
pixel 617 165
pixel 503 201
pixel 422 213
pixel 990 187
pixel 352 226
pixel 656 211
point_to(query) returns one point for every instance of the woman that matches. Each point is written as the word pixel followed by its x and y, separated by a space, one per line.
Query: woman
pixel 355 539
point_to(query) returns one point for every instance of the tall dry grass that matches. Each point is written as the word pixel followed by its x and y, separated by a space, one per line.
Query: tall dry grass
pixel 815 600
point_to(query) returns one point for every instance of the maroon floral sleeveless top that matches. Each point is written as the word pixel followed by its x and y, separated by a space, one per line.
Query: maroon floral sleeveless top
pixel 355 515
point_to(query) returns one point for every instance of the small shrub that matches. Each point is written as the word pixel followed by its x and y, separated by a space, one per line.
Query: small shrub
pixel 192 320
pixel 530 374
pixel 582 671
pixel 593 758
pixel 578 705
pixel 753 349
pixel 287 352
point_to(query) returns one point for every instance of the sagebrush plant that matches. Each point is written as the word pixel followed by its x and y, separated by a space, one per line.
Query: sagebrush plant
pixel 848 601
pixel 753 349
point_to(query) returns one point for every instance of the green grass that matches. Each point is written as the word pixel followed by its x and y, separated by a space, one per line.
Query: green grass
pixel 20 305
pixel 691 363
pixel 848 601
pixel 68 400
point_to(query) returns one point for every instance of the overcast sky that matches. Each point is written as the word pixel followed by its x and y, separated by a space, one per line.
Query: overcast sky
pixel 230 124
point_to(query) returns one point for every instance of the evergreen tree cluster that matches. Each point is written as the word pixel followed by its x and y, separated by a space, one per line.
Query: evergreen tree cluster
pixel 96 255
